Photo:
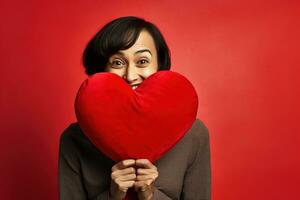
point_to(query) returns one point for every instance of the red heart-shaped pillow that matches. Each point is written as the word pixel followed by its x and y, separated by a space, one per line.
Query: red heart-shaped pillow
pixel 143 123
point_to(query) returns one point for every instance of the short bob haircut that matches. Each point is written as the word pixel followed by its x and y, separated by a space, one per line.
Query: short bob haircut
pixel 121 34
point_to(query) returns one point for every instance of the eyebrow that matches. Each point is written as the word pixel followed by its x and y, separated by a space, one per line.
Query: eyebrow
pixel 139 51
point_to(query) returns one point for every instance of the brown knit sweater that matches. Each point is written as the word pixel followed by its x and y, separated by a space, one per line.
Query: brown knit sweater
pixel 184 171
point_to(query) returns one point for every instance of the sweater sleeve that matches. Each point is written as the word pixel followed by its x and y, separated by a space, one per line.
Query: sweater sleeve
pixel 197 181
pixel 69 176
pixel 159 195
pixel 69 171
pixel 103 195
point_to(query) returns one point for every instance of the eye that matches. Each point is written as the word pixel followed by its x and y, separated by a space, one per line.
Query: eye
pixel 143 61
pixel 117 63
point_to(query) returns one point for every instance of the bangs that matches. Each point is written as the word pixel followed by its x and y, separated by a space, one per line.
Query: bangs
pixel 120 38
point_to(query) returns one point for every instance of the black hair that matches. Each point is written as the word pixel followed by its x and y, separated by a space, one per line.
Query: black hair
pixel 120 34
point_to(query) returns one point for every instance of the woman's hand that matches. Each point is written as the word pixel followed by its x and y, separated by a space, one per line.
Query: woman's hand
pixel 146 175
pixel 122 177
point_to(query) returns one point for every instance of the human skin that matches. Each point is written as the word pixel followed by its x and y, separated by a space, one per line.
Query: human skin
pixel 134 64
pixel 124 176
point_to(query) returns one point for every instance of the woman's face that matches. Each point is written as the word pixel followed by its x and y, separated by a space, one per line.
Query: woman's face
pixel 137 62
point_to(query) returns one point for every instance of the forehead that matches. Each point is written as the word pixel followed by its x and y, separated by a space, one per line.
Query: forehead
pixel 144 41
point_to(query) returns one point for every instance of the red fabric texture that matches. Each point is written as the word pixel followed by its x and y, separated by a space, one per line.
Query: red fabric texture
pixel 142 123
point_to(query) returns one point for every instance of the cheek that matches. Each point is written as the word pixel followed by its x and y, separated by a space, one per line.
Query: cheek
pixel 145 72
pixel 119 72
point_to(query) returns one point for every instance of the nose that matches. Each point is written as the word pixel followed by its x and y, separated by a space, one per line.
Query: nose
pixel 131 74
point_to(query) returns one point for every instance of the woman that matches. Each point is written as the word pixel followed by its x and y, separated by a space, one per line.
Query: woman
pixel 133 49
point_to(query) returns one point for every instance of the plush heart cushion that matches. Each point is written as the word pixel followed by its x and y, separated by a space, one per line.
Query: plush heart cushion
pixel 142 123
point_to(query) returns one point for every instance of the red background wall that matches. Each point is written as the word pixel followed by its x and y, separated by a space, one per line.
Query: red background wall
pixel 242 57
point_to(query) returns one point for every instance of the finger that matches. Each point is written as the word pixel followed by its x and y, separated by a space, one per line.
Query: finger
pixel 123 164
pixel 142 185
pixel 117 173
pixel 129 177
pixel 123 186
pixel 146 177
pixel 144 163
pixel 142 171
